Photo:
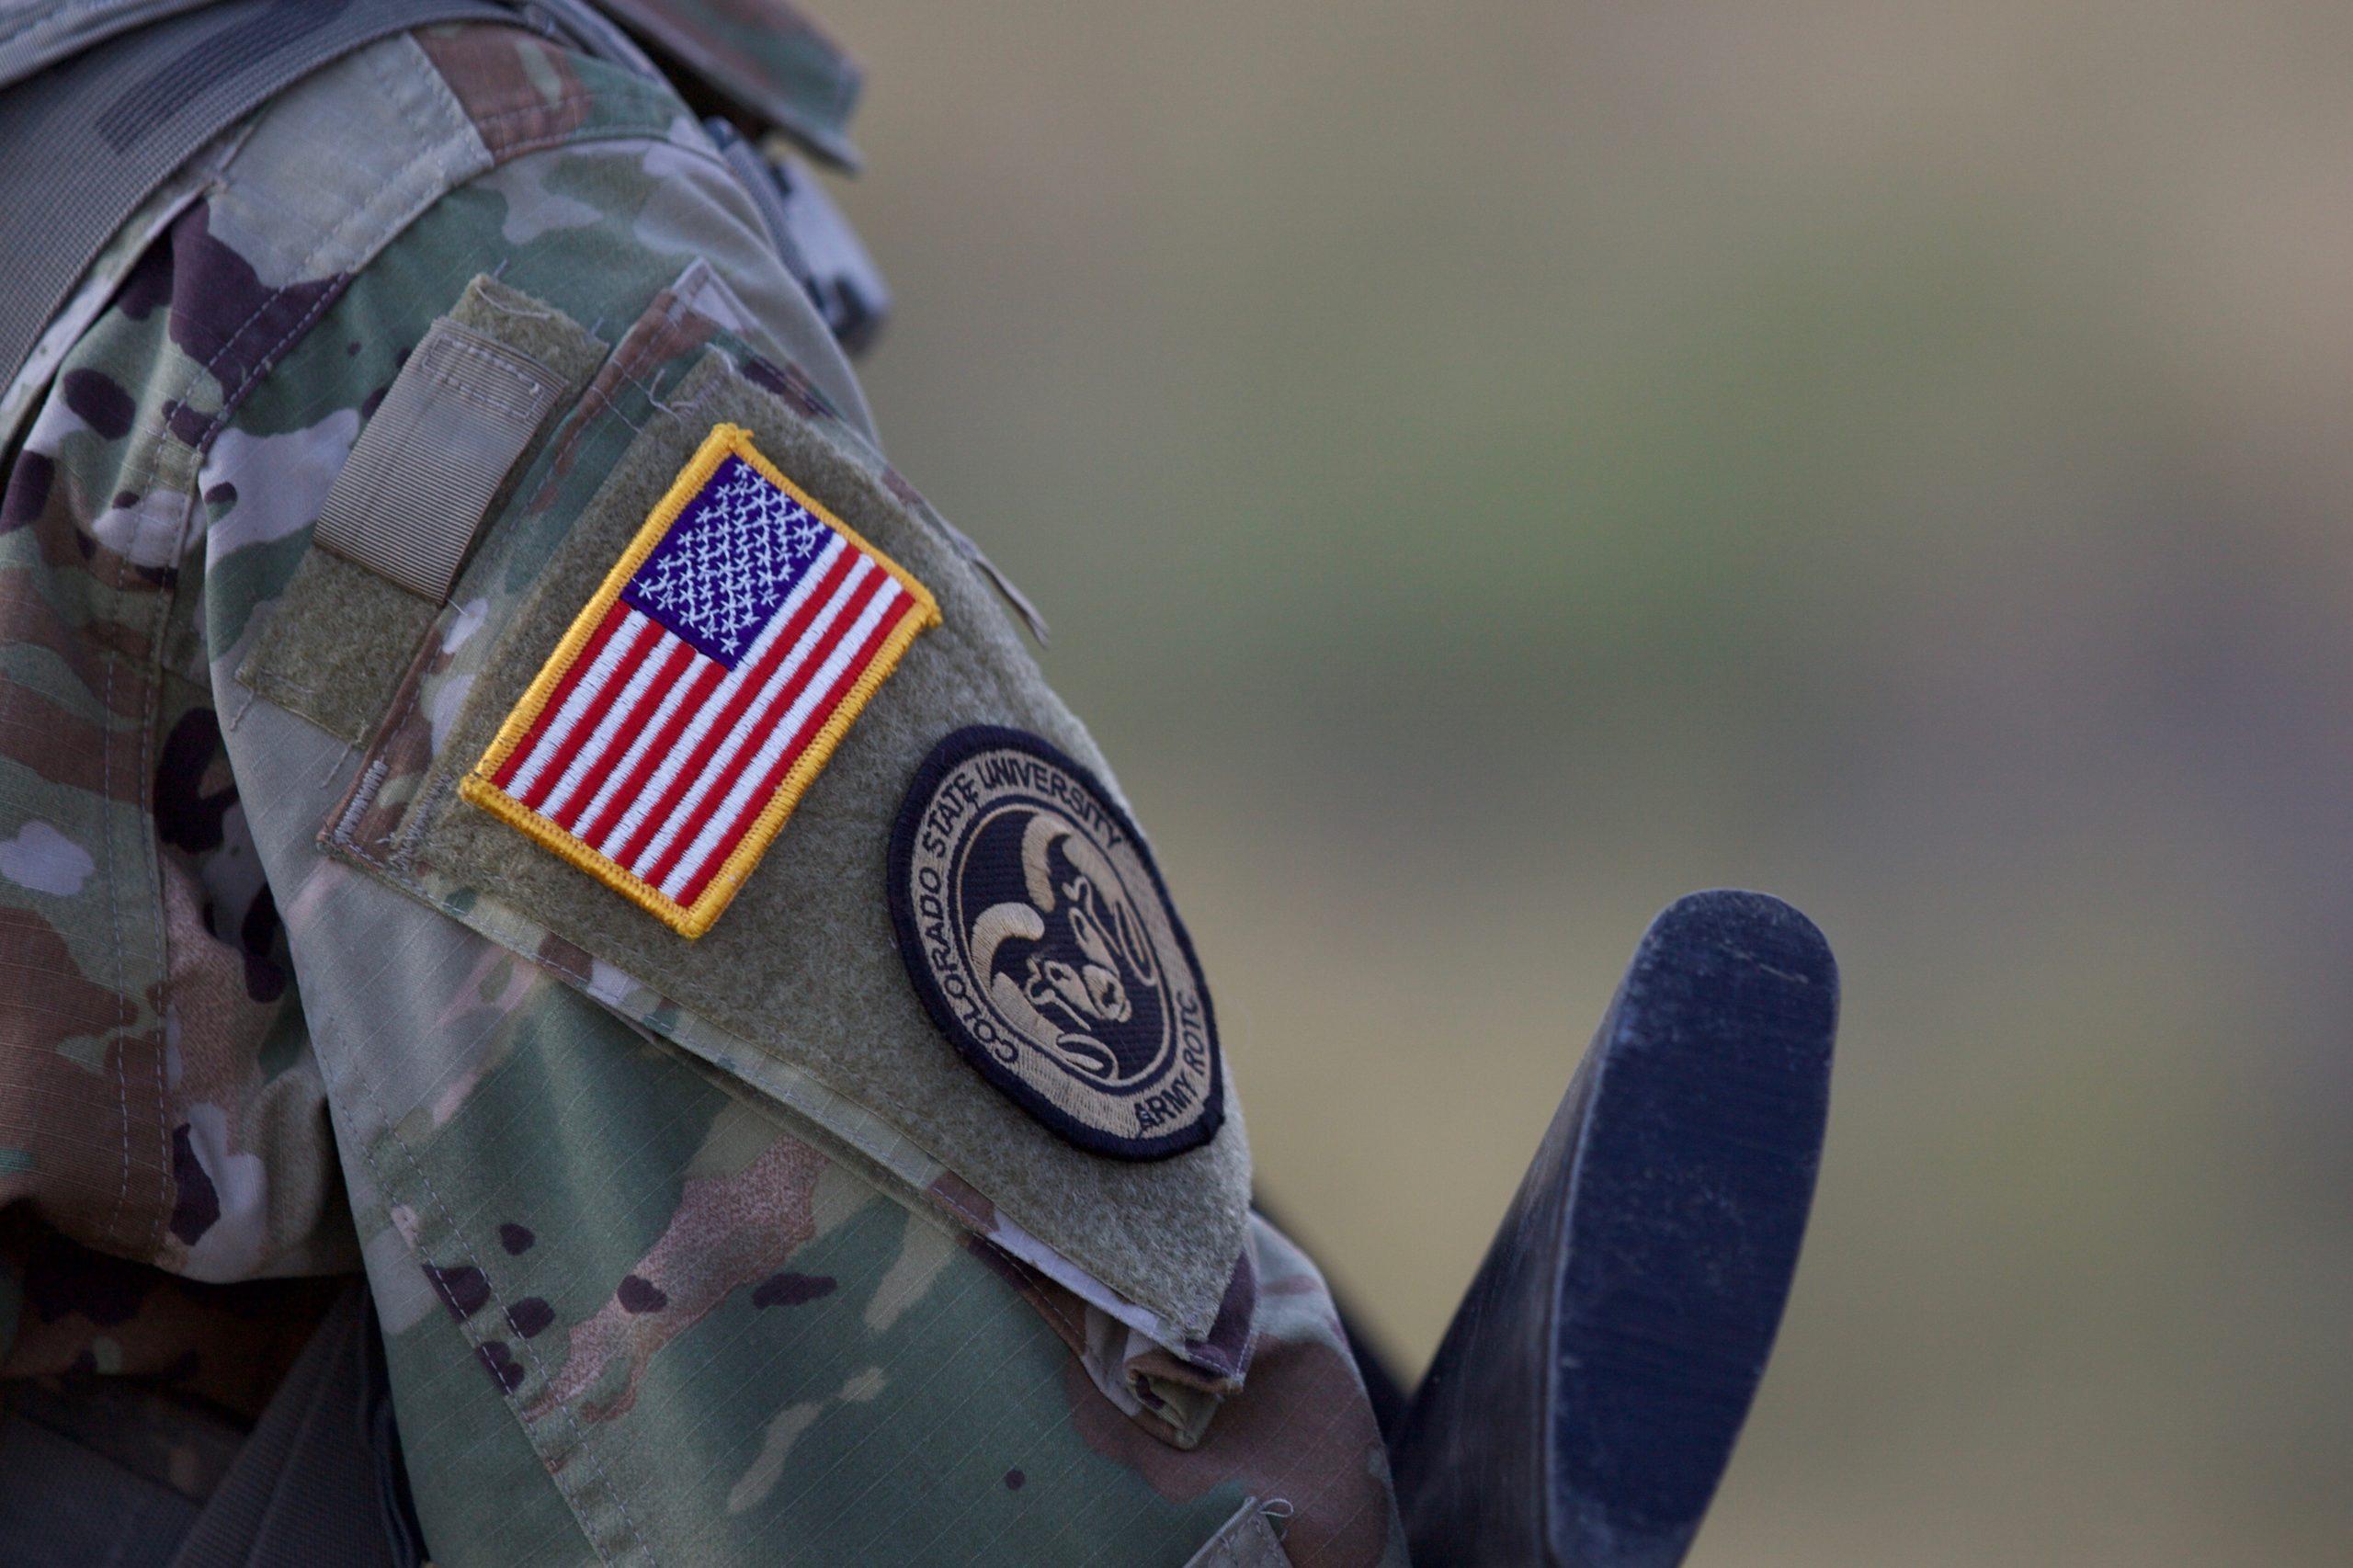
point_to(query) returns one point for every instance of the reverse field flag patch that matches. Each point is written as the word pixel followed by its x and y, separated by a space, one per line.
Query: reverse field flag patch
pixel 699 692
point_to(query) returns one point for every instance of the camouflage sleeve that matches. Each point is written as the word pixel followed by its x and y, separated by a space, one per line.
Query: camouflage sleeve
pixel 161 1111
pixel 668 1268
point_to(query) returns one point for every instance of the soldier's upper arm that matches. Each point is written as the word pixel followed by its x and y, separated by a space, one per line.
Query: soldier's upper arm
pixel 719 721
pixel 729 791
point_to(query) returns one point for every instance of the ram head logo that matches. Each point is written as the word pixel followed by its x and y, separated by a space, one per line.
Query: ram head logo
pixel 1069 962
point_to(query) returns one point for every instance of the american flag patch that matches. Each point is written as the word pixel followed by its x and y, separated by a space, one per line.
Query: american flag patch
pixel 701 691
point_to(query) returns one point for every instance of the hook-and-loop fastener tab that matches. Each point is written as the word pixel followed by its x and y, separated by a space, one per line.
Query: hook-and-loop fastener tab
pixel 423 474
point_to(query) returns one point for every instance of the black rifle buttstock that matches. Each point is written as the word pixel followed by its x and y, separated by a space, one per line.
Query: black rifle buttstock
pixel 1584 1401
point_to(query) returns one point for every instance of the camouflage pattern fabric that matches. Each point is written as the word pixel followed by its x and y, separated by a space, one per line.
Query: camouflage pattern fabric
pixel 770 62
pixel 636 1308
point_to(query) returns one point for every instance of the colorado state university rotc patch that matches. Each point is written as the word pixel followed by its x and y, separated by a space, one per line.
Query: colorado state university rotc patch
pixel 1037 930
pixel 698 693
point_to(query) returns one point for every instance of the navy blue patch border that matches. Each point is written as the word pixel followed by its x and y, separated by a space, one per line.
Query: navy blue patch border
pixel 953 750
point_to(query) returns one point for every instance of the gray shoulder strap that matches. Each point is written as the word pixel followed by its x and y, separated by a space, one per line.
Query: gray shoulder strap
pixel 38 33
pixel 121 94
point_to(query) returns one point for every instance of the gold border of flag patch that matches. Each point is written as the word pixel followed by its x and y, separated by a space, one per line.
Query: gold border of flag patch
pixel 690 920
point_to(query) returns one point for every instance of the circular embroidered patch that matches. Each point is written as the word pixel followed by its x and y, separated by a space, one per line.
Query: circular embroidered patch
pixel 1037 931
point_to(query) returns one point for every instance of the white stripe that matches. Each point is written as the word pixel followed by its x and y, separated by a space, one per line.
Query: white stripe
pixel 716 703
pixel 617 648
pixel 726 822
pixel 685 806
pixel 611 726
pixel 671 696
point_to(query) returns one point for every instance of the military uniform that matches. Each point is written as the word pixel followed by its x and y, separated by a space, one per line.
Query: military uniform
pixel 852 1175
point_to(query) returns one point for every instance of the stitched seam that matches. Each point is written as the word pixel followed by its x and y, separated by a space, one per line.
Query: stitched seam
pixel 114 928
pixel 476 1342
pixel 974 1221
pixel 143 761
pixel 465 1331
pixel 166 1182
pixel 267 360
pixel 262 365
pixel 162 596
pixel 579 1435
pixel 361 797
pixel 439 153
pixel 484 397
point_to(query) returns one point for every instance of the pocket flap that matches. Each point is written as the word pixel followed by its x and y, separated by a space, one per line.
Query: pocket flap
pixel 801 989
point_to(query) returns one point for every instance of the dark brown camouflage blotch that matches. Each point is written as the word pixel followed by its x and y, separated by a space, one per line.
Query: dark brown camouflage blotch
pixel 500 1363
pixel 228 1344
pixel 27 495
pixel 1301 1433
pixel 29 620
pixel 60 521
pixel 224 317
pixel 500 78
pixel 148 285
pixel 565 958
pixel 666 333
pixel 99 401
pixel 90 1150
pixel 194 789
pixel 792 384
pixel 62 748
pixel 792 1289
pixel 462 1288
pixel 964 1200
pixel 197 1206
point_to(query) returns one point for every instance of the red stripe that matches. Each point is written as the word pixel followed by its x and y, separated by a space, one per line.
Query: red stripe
pixel 697 693
pixel 647 701
pixel 787 695
pixel 756 801
pixel 786 639
pixel 568 744
pixel 572 677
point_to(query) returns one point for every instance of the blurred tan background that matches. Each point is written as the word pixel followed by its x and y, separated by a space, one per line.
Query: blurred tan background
pixel 1494 467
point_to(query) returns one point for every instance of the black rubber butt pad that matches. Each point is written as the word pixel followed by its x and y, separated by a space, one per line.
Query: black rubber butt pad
pixel 1586 1397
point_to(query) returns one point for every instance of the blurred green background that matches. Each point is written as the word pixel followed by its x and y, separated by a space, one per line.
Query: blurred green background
pixel 1494 467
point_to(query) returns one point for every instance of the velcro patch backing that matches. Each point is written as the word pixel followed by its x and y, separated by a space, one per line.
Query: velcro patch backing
pixel 700 690
pixel 800 992
pixel 398 522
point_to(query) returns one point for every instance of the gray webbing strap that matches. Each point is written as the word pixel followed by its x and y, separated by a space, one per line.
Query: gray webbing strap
pixel 427 467
pixel 37 33
pixel 87 137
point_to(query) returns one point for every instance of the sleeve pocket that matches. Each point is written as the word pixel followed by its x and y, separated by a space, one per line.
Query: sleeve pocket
pixel 798 991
